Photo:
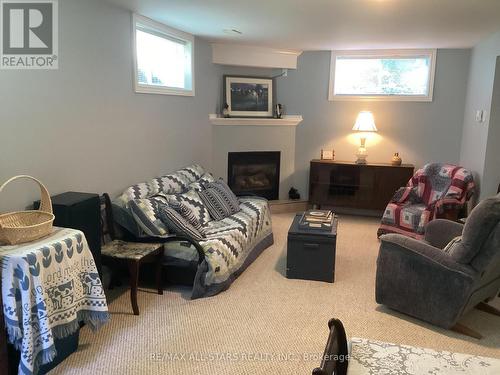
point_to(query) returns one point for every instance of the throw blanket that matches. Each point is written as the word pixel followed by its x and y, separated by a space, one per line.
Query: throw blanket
pixel 231 244
pixel 433 189
pixel 48 287
pixel 370 357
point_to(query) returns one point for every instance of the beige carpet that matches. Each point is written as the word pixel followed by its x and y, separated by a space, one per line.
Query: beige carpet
pixel 264 323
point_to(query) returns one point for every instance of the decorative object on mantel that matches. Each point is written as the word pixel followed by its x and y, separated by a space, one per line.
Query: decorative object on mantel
pixel 249 96
pixel 365 124
pixel 327 154
pixel 25 226
pixel 396 160
pixel 293 194
pixel 278 111
pixel 225 111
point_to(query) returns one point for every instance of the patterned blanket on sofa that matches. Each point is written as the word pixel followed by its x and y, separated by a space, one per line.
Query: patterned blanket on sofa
pixel 230 244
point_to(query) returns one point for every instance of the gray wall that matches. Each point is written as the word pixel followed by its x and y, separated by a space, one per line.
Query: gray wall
pixel 83 128
pixel 479 96
pixel 421 132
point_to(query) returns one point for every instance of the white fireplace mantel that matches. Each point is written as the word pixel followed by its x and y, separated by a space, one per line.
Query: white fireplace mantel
pixel 290 120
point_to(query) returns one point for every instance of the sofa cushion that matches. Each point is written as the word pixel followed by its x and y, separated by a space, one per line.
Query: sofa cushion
pixel 220 200
pixel 186 213
pixel 173 183
pixel 147 215
pixel 137 191
pixel 177 224
pixel 218 204
pixel 193 202
pixel 452 245
pixel 192 173
pixel 199 185
pixel 477 229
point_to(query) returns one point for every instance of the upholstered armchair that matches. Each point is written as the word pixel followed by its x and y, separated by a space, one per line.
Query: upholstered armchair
pixel 435 191
pixel 456 268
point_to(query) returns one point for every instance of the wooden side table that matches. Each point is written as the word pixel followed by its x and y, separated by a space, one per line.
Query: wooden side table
pixel 135 254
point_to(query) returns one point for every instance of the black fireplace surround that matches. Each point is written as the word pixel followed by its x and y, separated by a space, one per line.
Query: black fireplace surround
pixel 254 173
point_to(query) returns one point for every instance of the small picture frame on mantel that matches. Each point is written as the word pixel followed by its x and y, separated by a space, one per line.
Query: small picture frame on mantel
pixel 327 154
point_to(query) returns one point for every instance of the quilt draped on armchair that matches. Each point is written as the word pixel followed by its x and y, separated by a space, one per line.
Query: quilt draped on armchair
pixel 433 190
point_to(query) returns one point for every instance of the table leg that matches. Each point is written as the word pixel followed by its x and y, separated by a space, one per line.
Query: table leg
pixel 159 267
pixel 133 267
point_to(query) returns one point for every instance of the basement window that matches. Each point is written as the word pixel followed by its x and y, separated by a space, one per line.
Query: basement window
pixel 163 59
pixel 399 75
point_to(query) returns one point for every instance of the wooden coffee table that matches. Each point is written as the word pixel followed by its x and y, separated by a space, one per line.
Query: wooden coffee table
pixel 311 252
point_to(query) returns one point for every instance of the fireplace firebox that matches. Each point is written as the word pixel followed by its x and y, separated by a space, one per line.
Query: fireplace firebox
pixel 254 173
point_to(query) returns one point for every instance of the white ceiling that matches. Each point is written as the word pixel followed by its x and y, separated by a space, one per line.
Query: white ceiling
pixel 330 24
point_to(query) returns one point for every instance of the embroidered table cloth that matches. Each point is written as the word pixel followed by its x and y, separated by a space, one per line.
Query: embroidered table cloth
pixel 48 287
pixel 371 357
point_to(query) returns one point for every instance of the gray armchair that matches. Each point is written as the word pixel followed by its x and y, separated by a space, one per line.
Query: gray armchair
pixel 438 281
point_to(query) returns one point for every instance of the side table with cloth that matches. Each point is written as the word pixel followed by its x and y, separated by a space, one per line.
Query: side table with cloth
pixel 48 287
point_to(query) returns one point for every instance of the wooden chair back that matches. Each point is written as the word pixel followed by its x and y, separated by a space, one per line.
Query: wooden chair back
pixel 335 358
pixel 107 224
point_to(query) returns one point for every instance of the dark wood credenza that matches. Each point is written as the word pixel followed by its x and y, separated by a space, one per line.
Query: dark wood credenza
pixel 347 185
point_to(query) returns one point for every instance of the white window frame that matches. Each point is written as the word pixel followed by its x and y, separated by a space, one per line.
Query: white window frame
pixel 430 53
pixel 169 32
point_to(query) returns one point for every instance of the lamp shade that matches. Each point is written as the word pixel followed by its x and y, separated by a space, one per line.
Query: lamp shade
pixel 365 122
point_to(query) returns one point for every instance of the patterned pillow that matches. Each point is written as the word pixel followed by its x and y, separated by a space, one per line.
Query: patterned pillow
pixel 187 214
pixel 146 214
pixel 193 202
pixel 177 224
pixel 220 200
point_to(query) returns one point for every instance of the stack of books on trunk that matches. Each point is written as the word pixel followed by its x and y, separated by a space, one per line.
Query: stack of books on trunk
pixel 317 219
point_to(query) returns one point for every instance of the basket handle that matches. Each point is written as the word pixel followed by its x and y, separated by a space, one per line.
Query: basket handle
pixel 45 201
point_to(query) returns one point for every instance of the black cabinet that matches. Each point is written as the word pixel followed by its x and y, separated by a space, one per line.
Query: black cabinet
pixel 311 253
pixel 80 211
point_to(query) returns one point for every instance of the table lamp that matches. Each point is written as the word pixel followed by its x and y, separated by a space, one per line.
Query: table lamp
pixel 364 123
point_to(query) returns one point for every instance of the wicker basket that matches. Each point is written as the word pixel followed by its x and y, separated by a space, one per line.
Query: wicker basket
pixel 25 226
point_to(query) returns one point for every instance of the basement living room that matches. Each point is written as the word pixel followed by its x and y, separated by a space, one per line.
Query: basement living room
pixel 233 187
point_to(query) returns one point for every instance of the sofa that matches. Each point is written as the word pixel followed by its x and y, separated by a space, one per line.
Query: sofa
pixel 454 269
pixel 228 245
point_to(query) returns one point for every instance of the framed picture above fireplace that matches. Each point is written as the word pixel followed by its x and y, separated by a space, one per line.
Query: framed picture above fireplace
pixel 248 96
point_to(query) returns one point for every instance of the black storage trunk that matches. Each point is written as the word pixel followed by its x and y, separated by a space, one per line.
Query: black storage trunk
pixel 311 253
pixel 80 211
